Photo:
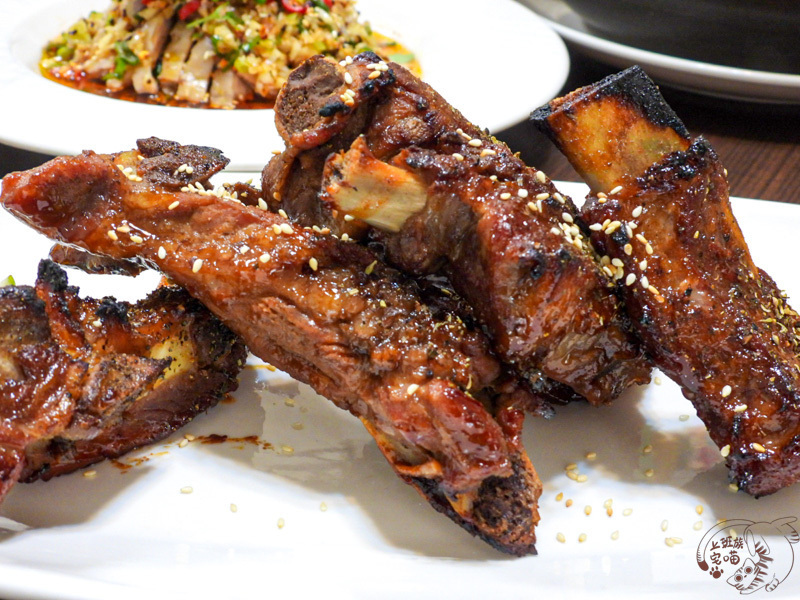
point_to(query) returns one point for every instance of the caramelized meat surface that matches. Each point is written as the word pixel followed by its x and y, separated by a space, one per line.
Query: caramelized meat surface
pixel 82 380
pixel 328 313
pixel 375 153
pixel 710 318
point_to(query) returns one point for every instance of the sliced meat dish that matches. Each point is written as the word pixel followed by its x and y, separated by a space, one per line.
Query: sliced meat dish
pixel 710 318
pixel 82 380
pixel 377 155
pixel 327 312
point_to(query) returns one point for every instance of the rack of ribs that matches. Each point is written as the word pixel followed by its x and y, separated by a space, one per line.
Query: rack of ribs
pixel 82 380
pixel 710 318
pixel 327 312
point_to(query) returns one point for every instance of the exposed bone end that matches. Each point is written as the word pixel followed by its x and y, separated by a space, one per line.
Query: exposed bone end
pixel 383 195
pixel 613 130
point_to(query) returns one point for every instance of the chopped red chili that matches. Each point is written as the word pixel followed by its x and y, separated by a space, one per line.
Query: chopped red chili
pixel 188 9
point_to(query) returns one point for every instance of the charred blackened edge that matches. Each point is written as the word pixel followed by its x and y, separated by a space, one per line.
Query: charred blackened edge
pixel 631 85
pixel 684 164
pixel 492 506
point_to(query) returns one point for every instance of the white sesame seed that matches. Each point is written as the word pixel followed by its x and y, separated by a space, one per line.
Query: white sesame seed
pixel 559 197
pixel 758 447
pixel 412 389
pixel 286 228
pixel 374 75
pixel 637 212
pixel 281 523
pixel 582 538
pixel 352 292
pixel 628 249
pixel 664 525
pixel 726 391
pixel 162 252
pixel 587 510
pixel 617 262
pixel 532 207
pixel 649 473
pixel 684 417
pixel 312 262
pixel 641 238
pixel 740 408
pixel 187 489
pixel 174 205
pixel 615 190
pixel 657 380
pixel 648 248
pixel 542 196
pixel 505 196
pixel 488 152
pixel 725 450
pixel 112 235
pixel 323 507
pixel 345 237
pixel 630 279
pixel 541 177
pixel 697 526
pixel 476 143
pixel 560 537
pixel 90 474
pixel 591 455
pixel 567 217
pixel 555 230
pixel 348 79
pixel 349 218
pixel 263 258
pixel 522 193
pixel 123 229
pixel 137 239
pixel 647 449
pixel 627 512
pixel 643 264
pixel 370 267
pixel 582 478
pixel 197 265
pixel 596 227
pixel 458 157
pixel 615 535
pixel 645 282
pixel 183 443
pixel 559 496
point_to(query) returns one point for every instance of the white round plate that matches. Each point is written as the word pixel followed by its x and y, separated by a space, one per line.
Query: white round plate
pixel 351 528
pixel 473 54
pixel 705 78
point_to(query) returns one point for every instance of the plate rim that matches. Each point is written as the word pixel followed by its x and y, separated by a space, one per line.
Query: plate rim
pixel 25 82
pixel 765 80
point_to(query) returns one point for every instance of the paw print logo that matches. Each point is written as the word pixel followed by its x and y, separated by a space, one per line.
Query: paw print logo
pixel 715 572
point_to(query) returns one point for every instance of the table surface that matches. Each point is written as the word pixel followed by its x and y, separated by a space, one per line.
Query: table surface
pixel 759 143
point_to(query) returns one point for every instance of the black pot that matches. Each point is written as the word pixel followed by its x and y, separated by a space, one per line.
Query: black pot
pixel 752 34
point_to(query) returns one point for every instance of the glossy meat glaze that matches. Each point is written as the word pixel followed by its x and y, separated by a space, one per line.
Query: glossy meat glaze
pixel 83 379
pixel 497 229
pixel 328 313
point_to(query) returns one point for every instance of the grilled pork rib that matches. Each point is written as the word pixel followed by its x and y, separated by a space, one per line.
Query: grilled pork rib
pixel 710 318
pixel 326 312
pixel 375 153
pixel 82 380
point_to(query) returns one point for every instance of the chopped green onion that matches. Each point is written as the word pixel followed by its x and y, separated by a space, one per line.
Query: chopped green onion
pixel 8 281
pixel 401 58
